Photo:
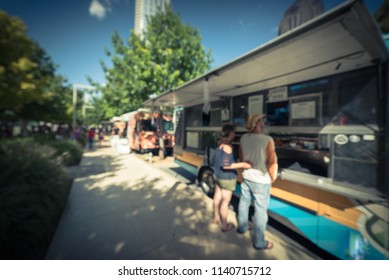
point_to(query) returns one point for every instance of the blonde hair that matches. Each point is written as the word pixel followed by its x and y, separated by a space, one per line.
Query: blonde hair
pixel 252 121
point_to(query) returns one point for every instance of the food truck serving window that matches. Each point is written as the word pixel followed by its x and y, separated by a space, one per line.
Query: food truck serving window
pixel 298 114
pixel 278 113
pixel 338 97
pixel 252 103
pixel 306 110
pixel 193 116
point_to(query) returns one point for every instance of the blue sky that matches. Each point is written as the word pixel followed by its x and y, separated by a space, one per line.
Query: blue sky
pixel 75 32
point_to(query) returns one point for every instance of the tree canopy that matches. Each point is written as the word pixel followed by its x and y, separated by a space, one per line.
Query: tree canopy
pixel 29 86
pixel 167 55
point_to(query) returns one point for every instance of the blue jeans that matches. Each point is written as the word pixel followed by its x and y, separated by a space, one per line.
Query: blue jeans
pixel 90 143
pixel 261 194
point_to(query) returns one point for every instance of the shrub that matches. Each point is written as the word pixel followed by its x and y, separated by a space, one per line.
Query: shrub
pixel 83 140
pixel 33 191
pixel 69 152
pixel 44 137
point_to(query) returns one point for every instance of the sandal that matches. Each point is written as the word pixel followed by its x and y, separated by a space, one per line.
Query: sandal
pixel 228 228
pixel 269 245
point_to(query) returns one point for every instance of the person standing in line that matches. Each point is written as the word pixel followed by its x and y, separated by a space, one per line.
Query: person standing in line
pixel 258 149
pixel 77 134
pixel 115 136
pixel 91 137
pixel 101 137
pixel 224 167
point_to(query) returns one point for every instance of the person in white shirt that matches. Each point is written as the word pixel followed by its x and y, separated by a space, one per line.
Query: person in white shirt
pixel 259 150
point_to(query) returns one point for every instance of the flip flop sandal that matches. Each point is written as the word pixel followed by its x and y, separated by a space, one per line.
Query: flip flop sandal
pixel 269 245
pixel 228 228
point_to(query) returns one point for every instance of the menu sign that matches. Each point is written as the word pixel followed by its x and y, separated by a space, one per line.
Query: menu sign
pixel 278 94
pixel 304 110
pixel 256 104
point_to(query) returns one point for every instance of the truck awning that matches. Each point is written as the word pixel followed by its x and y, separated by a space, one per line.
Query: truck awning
pixel 343 39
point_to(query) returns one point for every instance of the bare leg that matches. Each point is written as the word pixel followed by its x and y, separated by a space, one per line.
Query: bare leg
pixel 217 198
pixel 225 202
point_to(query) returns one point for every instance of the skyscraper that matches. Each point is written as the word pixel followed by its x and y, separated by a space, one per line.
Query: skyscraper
pixel 301 11
pixel 145 9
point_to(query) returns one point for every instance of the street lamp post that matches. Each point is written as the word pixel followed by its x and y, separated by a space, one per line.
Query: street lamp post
pixel 75 87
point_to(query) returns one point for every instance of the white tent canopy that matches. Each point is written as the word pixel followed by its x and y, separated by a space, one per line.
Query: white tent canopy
pixel 343 39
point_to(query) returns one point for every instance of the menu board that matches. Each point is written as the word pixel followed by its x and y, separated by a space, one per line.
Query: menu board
pixel 255 105
pixel 278 94
pixel 304 110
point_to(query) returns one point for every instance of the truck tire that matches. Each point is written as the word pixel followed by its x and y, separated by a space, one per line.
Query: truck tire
pixel 207 181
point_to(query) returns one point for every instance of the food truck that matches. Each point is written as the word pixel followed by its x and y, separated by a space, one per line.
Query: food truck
pixel 324 89
pixel 150 131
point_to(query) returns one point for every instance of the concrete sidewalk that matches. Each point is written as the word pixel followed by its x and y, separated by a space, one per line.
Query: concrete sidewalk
pixel 121 207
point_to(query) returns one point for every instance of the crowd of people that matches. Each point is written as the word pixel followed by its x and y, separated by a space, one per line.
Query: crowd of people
pixel 57 131
pixel 92 134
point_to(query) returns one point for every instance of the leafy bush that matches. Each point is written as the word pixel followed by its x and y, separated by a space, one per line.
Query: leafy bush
pixel 69 152
pixel 33 191
pixel 82 141
pixel 44 137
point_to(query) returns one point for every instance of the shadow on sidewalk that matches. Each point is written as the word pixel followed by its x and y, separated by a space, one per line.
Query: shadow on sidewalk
pixel 190 179
pixel 143 217
pixel 92 164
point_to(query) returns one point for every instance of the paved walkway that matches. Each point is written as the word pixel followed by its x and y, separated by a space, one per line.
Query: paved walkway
pixel 121 207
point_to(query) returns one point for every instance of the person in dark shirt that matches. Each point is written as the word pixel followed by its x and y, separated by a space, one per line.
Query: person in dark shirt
pixel 225 172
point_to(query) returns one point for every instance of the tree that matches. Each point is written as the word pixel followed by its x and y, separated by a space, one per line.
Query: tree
pixel 168 54
pixel 96 114
pixel 55 107
pixel 29 87
pixel 17 68
pixel 382 17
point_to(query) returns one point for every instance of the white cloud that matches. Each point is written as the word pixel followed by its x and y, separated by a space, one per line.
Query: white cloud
pixel 96 9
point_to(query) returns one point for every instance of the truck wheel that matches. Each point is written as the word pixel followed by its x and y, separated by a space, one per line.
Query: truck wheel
pixel 207 181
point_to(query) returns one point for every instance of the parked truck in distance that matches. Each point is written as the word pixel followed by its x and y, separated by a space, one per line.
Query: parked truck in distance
pixel 150 132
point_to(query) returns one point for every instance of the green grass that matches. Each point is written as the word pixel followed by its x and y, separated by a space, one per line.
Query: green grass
pixel 33 192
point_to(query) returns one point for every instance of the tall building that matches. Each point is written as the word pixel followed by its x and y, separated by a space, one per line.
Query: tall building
pixel 301 11
pixel 145 9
